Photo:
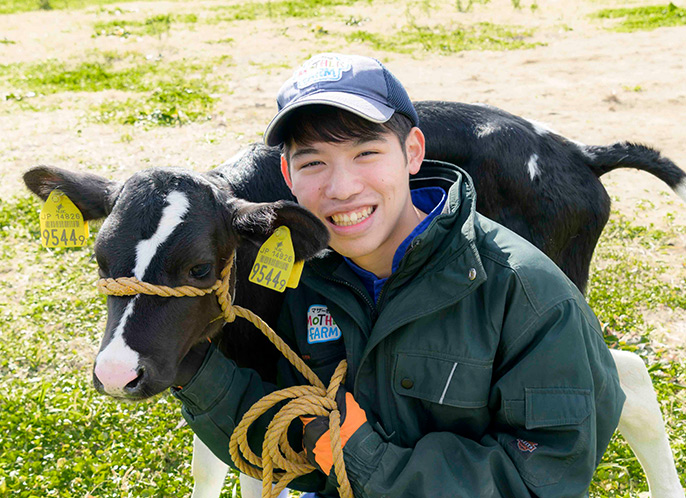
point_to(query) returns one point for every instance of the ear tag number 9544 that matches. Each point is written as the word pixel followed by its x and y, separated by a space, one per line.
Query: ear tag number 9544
pixel 275 266
pixel 61 223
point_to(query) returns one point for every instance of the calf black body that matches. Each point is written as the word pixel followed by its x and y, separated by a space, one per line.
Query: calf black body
pixel 556 201
pixel 535 182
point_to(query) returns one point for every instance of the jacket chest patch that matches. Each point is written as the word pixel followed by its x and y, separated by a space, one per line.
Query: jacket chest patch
pixel 320 325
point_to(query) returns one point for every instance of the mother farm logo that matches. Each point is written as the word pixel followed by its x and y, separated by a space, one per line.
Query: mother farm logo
pixel 324 68
pixel 320 325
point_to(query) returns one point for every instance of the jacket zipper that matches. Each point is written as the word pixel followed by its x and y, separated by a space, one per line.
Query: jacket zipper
pixel 352 369
pixel 357 291
pixel 413 245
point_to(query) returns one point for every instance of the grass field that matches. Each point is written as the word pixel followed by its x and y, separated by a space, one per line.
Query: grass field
pixel 114 87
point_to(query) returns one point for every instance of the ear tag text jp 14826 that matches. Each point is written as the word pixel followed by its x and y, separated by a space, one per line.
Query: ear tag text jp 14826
pixel 275 266
pixel 61 222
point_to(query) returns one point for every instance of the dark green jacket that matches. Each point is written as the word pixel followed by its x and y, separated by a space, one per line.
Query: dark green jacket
pixel 481 368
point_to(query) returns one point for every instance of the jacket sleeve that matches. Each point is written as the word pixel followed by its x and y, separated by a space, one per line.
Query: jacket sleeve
pixel 217 397
pixel 554 401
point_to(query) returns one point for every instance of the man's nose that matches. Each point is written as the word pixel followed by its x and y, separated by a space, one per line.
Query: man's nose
pixel 342 183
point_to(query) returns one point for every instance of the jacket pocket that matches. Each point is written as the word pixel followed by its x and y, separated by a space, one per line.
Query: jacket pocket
pixel 556 407
pixel 556 433
pixel 452 381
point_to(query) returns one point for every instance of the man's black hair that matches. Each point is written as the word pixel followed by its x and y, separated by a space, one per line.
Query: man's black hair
pixel 323 123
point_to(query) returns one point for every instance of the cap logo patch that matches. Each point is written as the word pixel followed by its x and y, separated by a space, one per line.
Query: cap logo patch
pixel 320 325
pixel 324 68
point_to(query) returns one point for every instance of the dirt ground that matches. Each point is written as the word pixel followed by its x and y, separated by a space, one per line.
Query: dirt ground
pixel 590 84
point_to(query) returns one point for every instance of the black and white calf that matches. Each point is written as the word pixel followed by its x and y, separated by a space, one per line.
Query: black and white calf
pixel 175 227
pixel 534 181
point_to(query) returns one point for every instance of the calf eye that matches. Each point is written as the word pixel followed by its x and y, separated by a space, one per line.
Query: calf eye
pixel 201 271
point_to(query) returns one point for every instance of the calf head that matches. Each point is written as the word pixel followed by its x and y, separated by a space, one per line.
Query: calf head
pixel 167 227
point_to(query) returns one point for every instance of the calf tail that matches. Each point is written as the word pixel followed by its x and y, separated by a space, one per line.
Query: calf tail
pixel 603 159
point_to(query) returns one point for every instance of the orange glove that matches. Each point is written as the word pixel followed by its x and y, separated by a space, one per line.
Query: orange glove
pixel 316 434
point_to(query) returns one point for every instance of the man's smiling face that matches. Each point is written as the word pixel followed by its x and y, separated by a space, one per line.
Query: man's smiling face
pixel 360 190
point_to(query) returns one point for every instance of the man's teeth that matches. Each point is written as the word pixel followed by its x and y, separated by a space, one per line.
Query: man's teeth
pixel 347 219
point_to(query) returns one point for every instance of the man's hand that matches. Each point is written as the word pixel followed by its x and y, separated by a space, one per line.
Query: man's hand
pixel 316 434
pixel 191 363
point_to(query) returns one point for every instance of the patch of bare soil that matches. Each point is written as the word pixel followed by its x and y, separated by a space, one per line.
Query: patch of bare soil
pixel 590 84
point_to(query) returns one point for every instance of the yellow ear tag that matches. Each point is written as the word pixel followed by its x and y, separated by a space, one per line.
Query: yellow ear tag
pixel 294 279
pixel 274 263
pixel 61 222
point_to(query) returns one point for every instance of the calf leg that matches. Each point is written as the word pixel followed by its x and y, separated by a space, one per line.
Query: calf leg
pixel 642 426
pixel 209 472
pixel 252 488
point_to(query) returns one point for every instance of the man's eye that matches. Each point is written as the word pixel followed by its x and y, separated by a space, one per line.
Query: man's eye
pixel 201 271
pixel 310 164
pixel 368 153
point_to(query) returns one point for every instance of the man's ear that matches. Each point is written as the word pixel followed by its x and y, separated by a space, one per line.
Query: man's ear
pixel 415 150
pixel 255 222
pixel 285 172
pixel 92 194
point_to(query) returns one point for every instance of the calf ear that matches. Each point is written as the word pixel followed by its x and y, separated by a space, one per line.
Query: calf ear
pixel 256 222
pixel 92 194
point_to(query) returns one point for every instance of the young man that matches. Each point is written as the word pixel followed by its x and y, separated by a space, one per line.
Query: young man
pixel 475 367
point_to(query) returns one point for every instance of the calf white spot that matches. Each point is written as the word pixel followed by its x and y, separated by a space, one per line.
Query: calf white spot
pixel 584 150
pixel 680 189
pixel 117 364
pixel 483 130
pixel 541 128
pixel 532 165
pixel 483 104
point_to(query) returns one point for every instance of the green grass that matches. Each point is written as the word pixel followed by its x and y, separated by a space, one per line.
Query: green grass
pixel 466 5
pixel 250 11
pixel 64 440
pixel 165 93
pixel 12 6
pixel 60 438
pixel 627 285
pixel 101 71
pixel 152 26
pixel 644 18
pixel 480 36
pixel 171 103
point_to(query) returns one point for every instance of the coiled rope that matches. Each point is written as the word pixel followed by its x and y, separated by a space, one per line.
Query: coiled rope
pixel 315 399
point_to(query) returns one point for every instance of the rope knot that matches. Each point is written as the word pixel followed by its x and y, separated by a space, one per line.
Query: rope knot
pixel 277 453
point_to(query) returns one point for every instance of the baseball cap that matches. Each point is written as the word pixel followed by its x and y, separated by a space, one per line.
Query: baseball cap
pixel 358 84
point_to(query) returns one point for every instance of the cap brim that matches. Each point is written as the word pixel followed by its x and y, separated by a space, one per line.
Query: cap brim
pixel 362 106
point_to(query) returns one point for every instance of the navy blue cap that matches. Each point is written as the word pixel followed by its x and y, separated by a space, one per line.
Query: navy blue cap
pixel 361 85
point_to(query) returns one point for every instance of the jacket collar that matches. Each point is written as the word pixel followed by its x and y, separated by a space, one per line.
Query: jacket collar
pixel 451 233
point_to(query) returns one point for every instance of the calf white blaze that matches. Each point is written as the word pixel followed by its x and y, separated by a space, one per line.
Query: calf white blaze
pixel 117 364
pixel 172 216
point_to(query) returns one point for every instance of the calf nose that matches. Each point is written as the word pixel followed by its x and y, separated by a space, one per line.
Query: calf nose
pixel 117 377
